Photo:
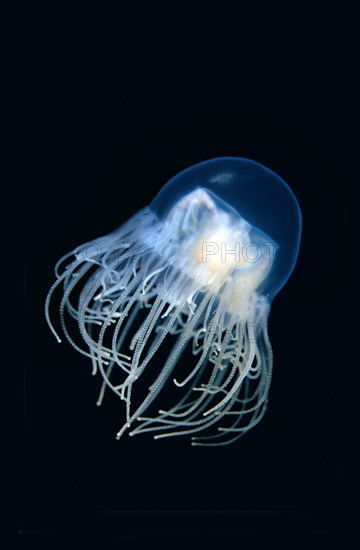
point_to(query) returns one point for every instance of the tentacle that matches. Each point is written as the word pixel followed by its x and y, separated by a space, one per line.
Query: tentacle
pixel 113 279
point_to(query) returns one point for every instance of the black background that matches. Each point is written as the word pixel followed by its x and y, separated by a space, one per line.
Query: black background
pixel 102 125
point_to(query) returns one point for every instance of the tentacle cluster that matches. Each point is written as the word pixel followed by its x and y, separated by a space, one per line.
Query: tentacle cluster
pixel 127 298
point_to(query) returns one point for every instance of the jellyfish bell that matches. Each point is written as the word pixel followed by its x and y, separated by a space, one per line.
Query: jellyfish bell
pixel 193 273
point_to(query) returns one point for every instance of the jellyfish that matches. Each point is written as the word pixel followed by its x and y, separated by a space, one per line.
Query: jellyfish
pixel 172 307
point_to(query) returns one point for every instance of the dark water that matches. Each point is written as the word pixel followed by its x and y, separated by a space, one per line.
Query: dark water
pixel 103 125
